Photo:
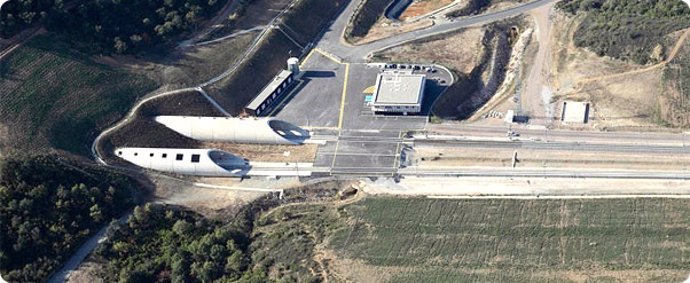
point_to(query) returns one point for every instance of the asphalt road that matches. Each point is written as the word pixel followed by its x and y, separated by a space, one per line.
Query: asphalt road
pixel 550 173
pixel 547 135
pixel 333 43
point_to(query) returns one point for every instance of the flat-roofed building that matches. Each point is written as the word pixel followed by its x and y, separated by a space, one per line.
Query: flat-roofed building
pixel 398 92
pixel 575 112
pixel 274 90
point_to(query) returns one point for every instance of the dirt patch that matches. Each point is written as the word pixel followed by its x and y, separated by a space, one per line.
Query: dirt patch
pixel 88 272
pixel 191 103
pixel 143 131
pixel 622 94
pixel 422 7
pixel 474 7
pixel 427 157
pixel 460 51
pixel 267 152
pixel 386 28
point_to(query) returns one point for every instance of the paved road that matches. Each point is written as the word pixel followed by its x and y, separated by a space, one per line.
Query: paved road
pixel 550 173
pixel 546 135
pixel 560 146
pixel 332 40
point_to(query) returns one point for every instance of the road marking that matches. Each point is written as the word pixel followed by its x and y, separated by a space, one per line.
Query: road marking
pixel 329 56
pixel 306 59
pixel 335 154
pixel 397 157
pixel 319 128
pixel 285 98
pixel 342 100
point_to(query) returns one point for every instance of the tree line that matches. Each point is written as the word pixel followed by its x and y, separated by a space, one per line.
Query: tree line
pixel 107 26
pixel 48 206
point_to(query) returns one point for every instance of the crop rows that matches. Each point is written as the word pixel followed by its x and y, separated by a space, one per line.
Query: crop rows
pixel 464 238
pixel 53 96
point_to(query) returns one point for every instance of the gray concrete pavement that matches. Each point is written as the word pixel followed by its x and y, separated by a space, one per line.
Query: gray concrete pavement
pixel 315 100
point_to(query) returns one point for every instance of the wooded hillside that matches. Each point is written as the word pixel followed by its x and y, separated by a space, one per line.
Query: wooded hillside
pixel 48 206
pixel 627 30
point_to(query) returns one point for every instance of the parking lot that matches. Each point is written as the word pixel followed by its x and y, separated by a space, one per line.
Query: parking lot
pixel 323 97
pixel 332 96
pixel 315 100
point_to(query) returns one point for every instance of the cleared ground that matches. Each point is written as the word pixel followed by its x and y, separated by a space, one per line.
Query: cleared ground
pixel 623 95
pixel 426 157
pixel 437 240
pixel 419 8
pixel 273 153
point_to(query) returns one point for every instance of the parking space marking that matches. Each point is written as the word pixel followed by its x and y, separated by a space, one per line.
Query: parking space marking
pixel 342 100
pixel 329 56
pixel 306 59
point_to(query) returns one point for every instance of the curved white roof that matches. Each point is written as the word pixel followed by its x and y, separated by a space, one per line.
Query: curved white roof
pixel 240 130
pixel 199 162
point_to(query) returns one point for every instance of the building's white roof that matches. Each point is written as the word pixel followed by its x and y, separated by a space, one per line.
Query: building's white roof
pixel 575 112
pixel 239 130
pixel 269 89
pixel 399 88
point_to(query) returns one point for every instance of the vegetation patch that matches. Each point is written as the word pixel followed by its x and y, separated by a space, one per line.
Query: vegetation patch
pixel 110 26
pixel 447 240
pixel 48 206
pixel 364 18
pixel 259 243
pixel 675 101
pixel 52 96
pixel 169 244
pixel 627 30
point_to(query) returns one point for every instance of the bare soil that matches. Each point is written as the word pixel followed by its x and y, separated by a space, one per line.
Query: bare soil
pixel 384 28
pixel 269 153
pixel 623 95
pixel 422 7
pixel 460 51
pixel 454 157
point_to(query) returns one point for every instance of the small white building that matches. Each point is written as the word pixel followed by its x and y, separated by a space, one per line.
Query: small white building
pixel 575 112
pixel 398 92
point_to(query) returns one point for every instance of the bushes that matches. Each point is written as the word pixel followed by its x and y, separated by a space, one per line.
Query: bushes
pixel 48 206
pixel 166 243
pixel 365 17
pixel 120 26
pixel 627 30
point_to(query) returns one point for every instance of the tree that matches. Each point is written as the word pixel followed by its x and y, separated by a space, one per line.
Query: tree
pixel 120 46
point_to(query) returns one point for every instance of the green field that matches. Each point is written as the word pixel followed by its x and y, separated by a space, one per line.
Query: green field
pixel 643 240
pixel 52 96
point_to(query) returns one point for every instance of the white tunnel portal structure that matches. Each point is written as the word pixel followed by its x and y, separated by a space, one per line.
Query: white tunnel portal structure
pixel 198 162
pixel 238 130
